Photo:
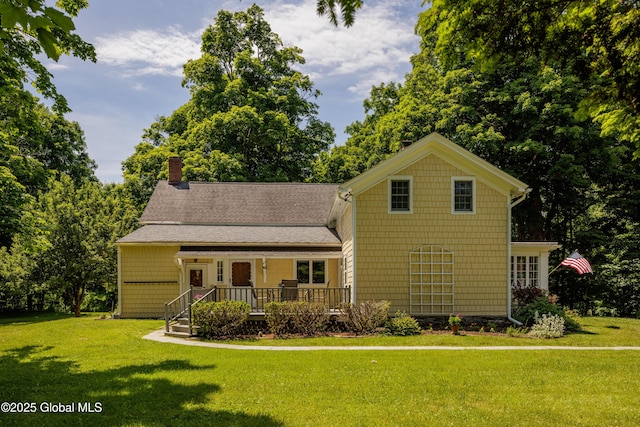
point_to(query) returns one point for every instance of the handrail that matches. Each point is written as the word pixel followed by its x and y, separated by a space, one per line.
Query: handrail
pixel 170 311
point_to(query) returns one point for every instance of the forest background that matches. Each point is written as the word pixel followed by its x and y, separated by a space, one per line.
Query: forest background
pixel 546 90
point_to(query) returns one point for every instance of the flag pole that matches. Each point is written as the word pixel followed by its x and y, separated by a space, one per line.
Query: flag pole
pixel 560 265
pixel 554 270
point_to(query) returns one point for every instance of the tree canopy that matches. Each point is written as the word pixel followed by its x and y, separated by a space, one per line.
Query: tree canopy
pixel 597 41
pixel 31 28
pixel 250 116
pixel 34 141
pixel 526 117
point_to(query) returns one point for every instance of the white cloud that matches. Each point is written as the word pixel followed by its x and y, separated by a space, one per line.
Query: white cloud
pixel 377 46
pixel 149 52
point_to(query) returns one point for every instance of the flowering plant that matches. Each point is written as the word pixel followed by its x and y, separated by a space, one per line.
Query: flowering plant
pixel 455 319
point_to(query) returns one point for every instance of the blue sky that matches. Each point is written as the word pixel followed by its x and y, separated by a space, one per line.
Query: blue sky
pixel 142 45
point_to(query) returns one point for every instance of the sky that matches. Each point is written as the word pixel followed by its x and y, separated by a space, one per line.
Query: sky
pixel 142 45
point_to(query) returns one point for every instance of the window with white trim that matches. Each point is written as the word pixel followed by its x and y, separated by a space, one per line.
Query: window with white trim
pixel 311 272
pixel 220 271
pixel 400 194
pixel 463 195
pixel 525 271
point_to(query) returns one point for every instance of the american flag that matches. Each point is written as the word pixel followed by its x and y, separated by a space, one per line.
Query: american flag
pixel 578 263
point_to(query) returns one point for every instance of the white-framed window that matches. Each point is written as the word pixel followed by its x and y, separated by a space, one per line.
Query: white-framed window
pixel 400 191
pixel 220 271
pixel 525 271
pixel 311 271
pixel 463 195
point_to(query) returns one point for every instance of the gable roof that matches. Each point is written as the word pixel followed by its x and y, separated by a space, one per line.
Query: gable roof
pixel 234 235
pixel 436 144
pixel 238 203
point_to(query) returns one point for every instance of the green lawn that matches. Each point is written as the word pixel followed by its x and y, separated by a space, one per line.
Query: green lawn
pixel 59 359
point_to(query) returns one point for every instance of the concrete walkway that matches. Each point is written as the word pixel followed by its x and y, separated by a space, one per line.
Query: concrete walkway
pixel 161 337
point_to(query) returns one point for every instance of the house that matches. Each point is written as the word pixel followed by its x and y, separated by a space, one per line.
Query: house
pixel 429 230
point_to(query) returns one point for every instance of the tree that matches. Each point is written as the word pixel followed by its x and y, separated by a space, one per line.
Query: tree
pixel 597 40
pixel 33 140
pixel 30 28
pixel 348 9
pixel 249 117
pixel 81 225
pixel 34 145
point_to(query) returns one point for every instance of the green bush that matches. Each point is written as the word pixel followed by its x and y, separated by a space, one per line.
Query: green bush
pixel 403 325
pixel 540 306
pixel 365 317
pixel 221 319
pixel 309 318
pixel 296 317
pixel 278 317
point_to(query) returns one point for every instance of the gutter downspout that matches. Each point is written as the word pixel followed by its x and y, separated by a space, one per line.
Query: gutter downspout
pixel 513 204
pixel 119 261
pixel 348 197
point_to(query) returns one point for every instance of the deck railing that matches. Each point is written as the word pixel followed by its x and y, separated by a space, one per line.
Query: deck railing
pixel 332 298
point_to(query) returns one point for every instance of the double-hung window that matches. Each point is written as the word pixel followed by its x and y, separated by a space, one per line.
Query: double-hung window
pixel 400 194
pixel 463 195
pixel 525 271
pixel 311 272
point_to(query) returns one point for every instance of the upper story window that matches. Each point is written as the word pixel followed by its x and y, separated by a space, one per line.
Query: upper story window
pixel 400 194
pixel 463 195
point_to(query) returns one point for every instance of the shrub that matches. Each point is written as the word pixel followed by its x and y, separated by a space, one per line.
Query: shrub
pixel 525 294
pixel 221 319
pixel 548 326
pixel 293 317
pixel 278 317
pixel 365 317
pixel 309 318
pixel 403 325
pixel 573 315
pixel 527 315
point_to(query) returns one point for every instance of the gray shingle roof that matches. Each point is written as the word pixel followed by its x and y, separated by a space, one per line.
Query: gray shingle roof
pixel 240 203
pixel 234 235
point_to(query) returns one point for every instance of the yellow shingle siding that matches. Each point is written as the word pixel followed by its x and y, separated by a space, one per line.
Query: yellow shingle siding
pixel 149 278
pixel 146 299
pixel 478 241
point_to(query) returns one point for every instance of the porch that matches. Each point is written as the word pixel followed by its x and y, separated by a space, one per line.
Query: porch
pixel 177 313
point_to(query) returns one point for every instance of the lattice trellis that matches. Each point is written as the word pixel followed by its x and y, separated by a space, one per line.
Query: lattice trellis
pixel 431 280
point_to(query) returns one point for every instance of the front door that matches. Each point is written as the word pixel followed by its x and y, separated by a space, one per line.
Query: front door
pixel 241 273
pixel 196 276
pixel 242 282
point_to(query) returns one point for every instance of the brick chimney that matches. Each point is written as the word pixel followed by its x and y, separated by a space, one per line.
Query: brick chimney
pixel 175 170
pixel 406 143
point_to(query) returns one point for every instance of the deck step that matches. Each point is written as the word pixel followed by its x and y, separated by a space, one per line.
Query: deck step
pixel 178 334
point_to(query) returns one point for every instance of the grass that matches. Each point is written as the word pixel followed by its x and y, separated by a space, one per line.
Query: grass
pixel 60 359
